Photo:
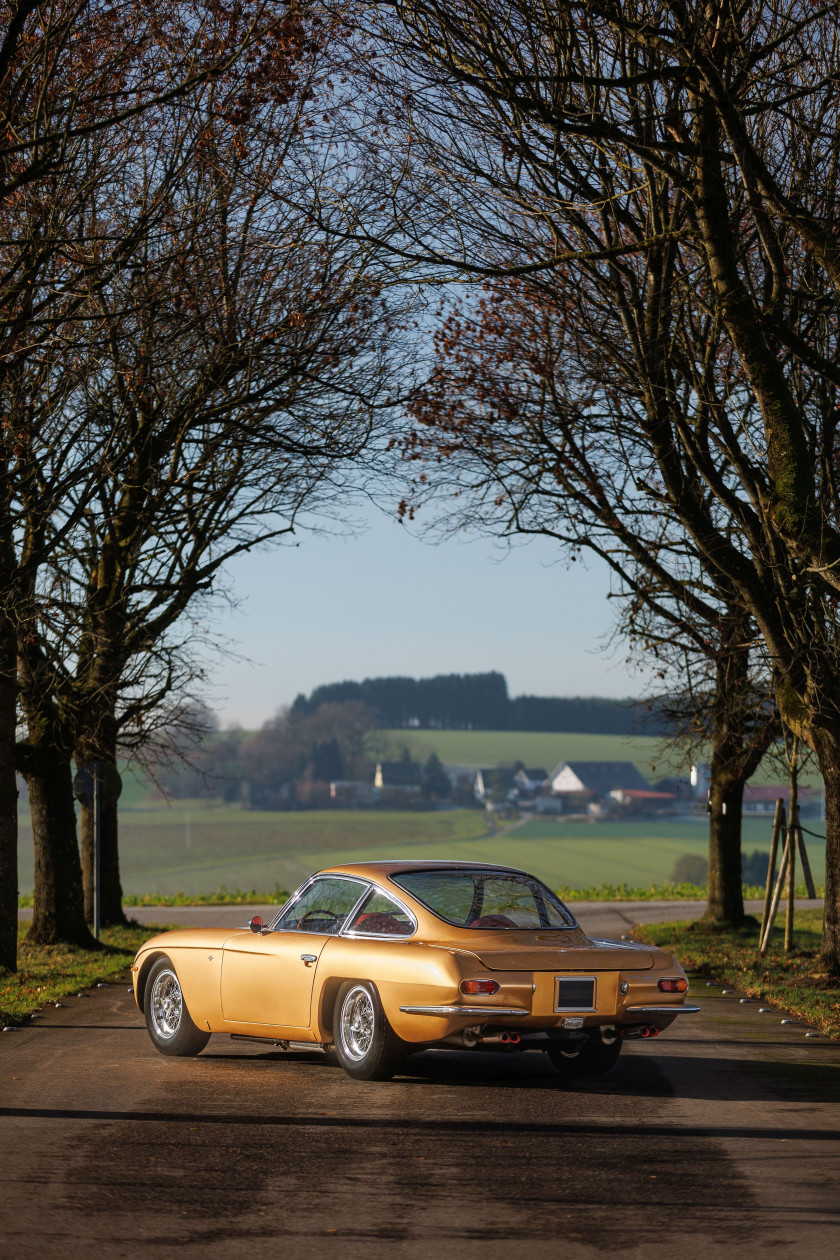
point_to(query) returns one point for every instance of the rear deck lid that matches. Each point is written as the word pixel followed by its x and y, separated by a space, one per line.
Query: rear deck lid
pixel 595 955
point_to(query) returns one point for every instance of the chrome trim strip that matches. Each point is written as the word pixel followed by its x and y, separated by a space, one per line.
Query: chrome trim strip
pixel 661 1010
pixel 473 1012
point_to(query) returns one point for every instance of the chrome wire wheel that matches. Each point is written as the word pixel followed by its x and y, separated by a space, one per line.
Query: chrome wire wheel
pixel 358 1023
pixel 167 1004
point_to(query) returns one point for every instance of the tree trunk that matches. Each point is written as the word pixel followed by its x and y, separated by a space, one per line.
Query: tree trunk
pixel 59 901
pixel 110 893
pixel 8 799
pixel 738 745
pixel 726 899
pixel 827 747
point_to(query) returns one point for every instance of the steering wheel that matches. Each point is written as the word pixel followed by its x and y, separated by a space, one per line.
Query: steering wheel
pixel 319 914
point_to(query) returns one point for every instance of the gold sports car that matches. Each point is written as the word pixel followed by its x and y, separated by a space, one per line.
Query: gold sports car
pixel 373 960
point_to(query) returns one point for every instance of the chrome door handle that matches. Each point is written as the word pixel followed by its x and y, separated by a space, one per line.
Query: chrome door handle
pixel 309 958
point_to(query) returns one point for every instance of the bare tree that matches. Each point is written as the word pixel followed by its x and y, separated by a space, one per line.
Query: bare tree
pixel 524 439
pixel 70 72
pixel 674 168
pixel 232 374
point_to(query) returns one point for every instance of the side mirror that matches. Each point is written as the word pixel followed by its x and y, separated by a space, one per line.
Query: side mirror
pixel 256 924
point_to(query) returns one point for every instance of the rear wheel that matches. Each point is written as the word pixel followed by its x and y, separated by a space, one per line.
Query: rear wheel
pixel 365 1044
pixel 167 1018
pixel 592 1057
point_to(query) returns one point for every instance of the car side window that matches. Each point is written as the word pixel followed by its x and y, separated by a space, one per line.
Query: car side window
pixel 324 906
pixel 378 915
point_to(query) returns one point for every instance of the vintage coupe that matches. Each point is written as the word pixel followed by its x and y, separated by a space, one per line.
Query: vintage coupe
pixel 373 960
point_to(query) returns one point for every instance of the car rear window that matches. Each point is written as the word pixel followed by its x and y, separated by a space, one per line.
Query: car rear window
pixel 486 900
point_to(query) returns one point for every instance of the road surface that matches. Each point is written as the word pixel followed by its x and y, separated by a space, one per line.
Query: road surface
pixel 720 1139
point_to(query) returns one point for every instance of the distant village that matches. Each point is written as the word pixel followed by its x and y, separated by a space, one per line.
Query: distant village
pixel 592 789
pixel 322 753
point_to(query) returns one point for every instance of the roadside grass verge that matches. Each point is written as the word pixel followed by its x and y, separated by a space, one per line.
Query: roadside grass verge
pixel 796 981
pixel 661 892
pixel 49 973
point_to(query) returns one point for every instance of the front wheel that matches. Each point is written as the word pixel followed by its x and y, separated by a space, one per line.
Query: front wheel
pixel 592 1057
pixel 366 1045
pixel 167 1018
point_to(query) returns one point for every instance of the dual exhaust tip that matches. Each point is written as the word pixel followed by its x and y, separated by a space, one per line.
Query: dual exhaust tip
pixel 472 1038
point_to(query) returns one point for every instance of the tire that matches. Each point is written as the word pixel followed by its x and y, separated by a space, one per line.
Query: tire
pixel 593 1057
pixel 366 1045
pixel 167 1018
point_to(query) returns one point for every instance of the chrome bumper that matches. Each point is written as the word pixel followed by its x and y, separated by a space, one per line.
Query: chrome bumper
pixel 473 1012
pixel 661 1010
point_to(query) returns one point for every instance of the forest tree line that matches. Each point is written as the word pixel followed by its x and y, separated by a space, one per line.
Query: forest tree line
pixel 293 760
pixel 480 702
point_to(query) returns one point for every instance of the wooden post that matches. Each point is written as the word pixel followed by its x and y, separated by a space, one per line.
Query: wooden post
pixel 806 864
pixel 791 882
pixel 778 824
pixel 793 824
pixel 777 896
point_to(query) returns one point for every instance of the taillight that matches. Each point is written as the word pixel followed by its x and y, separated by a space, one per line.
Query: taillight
pixel 479 986
pixel 673 985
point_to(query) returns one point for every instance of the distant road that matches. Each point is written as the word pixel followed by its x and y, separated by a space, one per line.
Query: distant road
pixel 598 918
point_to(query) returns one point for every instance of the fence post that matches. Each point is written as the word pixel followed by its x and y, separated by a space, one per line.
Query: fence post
pixel 791 878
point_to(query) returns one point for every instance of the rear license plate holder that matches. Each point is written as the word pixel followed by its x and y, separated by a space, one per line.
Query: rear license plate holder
pixel 575 993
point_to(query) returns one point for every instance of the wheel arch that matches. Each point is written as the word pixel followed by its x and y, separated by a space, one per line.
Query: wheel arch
pixel 327 998
pixel 143 974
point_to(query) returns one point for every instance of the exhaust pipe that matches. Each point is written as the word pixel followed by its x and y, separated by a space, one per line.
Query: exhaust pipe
pixel 500 1039
pixel 641 1030
pixel 473 1038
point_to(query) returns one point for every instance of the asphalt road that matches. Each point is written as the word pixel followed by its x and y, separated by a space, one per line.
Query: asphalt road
pixel 719 1139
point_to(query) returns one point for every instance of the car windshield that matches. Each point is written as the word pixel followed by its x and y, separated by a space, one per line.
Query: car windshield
pixel 486 899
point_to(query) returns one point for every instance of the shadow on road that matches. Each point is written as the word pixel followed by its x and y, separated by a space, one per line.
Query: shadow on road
pixel 405 1124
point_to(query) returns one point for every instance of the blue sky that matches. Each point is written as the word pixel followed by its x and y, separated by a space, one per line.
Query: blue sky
pixel 386 602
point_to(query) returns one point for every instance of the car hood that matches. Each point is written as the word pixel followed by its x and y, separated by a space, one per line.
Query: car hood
pixel 192 938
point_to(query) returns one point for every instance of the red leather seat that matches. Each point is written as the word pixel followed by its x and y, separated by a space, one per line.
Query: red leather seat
pixel 380 923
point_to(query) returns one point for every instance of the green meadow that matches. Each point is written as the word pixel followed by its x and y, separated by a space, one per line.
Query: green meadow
pixel 200 846
pixel 535 748
pixel 653 757
pixel 196 849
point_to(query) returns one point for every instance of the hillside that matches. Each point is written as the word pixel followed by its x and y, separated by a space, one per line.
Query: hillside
pixel 653 758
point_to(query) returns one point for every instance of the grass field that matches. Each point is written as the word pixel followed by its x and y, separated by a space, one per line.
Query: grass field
pixel 491 748
pixel 197 847
pixel 241 849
